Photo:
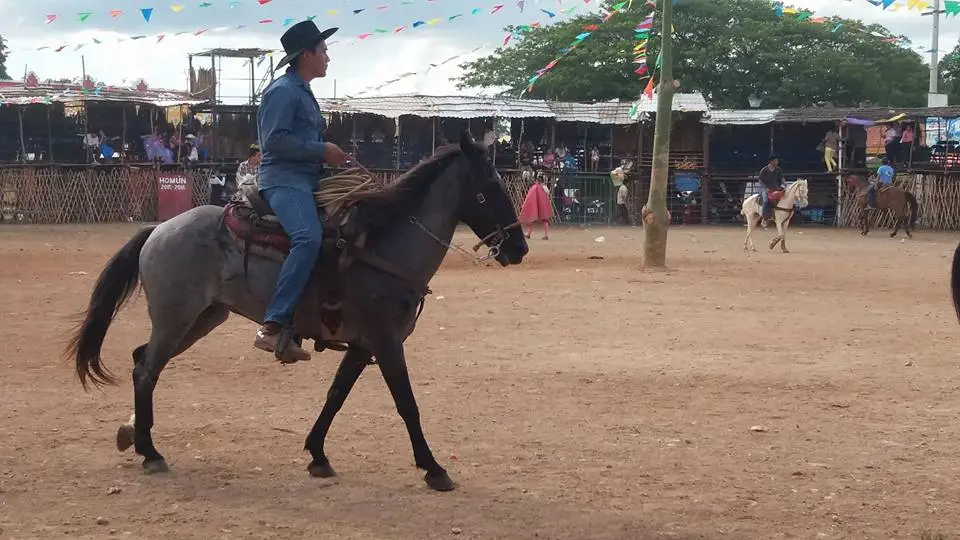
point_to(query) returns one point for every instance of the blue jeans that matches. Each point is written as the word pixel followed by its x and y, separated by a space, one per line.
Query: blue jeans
pixel 764 201
pixel 872 195
pixel 296 211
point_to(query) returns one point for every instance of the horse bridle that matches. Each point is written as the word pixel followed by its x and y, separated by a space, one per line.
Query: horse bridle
pixel 501 234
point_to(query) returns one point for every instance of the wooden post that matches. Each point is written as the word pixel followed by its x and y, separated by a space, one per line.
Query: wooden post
pixel 397 142
pixel 655 218
pixel 123 133
pixel 353 134
pixel 705 188
pixel 586 152
pixel 83 71
pixel 213 106
pixel 612 132
pixel 49 133
pixel 639 143
pixel 23 144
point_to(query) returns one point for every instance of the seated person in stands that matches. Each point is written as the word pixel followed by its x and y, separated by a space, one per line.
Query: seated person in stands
pixel 249 171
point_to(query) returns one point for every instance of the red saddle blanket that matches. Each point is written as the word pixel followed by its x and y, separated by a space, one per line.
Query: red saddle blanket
pixel 244 224
pixel 775 194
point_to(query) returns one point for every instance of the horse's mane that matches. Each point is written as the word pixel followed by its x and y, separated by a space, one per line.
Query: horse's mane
pixel 381 204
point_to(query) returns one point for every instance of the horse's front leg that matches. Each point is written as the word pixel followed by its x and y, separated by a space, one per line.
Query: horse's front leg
pixel 349 371
pixel 779 238
pixel 782 228
pixel 865 223
pixel 393 366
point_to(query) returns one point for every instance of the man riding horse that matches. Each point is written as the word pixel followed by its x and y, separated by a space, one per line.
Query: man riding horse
pixel 294 153
pixel 771 178
pixel 885 176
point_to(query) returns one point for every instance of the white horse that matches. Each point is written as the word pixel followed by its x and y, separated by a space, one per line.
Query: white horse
pixel 783 210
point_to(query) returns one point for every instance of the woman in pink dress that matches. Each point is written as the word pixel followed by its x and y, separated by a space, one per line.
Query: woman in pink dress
pixel 536 207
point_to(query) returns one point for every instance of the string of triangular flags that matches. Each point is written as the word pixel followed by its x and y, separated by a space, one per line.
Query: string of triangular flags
pixel 417 24
pixel 523 28
pixel 807 15
pixel 950 7
pixel 642 34
pixel 407 75
pixel 577 41
pixel 147 13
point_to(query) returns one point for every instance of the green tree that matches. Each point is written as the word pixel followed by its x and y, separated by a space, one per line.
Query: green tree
pixel 949 70
pixel 3 60
pixel 726 49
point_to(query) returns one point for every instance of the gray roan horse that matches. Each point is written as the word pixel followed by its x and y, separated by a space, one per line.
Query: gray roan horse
pixel 194 272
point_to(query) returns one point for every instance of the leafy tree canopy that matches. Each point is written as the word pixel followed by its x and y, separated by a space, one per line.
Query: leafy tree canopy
pixel 3 60
pixel 950 74
pixel 727 50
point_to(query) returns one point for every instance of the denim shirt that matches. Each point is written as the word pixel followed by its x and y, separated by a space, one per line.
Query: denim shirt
pixel 291 130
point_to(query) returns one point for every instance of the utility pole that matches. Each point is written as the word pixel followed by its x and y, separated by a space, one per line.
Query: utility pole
pixel 933 97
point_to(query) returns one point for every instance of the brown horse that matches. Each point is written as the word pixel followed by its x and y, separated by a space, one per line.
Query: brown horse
pixel 899 201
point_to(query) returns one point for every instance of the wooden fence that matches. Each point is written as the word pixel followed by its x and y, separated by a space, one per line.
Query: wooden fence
pixel 107 193
pixel 89 194
pixel 938 195
pixel 57 194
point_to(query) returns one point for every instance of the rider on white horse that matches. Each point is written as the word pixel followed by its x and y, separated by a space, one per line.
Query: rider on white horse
pixel 771 178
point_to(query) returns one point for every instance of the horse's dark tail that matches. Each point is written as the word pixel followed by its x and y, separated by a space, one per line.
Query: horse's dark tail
pixel 114 287
pixel 914 208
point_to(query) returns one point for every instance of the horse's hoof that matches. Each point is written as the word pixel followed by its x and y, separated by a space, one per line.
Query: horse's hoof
pixel 440 482
pixel 321 470
pixel 124 437
pixel 786 251
pixel 156 466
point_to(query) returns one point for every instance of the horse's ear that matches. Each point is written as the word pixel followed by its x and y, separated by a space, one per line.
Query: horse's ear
pixel 466 143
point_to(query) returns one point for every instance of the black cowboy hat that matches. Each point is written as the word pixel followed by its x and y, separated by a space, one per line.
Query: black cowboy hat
pixel 301 37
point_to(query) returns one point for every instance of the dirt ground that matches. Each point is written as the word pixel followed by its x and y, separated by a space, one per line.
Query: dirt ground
pixel 808 395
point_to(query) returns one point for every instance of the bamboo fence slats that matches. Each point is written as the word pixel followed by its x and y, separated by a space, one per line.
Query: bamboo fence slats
pixel 54 195
pixel 937 193
pixel 95 194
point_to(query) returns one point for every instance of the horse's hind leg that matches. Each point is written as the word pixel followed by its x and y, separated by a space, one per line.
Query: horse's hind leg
pixel 352 365
pixel 896 225
pixel 167 340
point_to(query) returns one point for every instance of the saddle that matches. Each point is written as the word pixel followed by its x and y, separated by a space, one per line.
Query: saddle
pixel 318 316
pixel 774 196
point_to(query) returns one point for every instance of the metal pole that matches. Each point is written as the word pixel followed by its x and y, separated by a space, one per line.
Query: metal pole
pixel 433 138
pixel 934 45
pixel 253 89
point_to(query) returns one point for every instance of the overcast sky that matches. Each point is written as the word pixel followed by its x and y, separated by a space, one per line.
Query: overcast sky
pixel 356 65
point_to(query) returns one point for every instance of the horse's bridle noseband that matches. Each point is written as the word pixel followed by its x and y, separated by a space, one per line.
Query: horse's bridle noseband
pixel 500 235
